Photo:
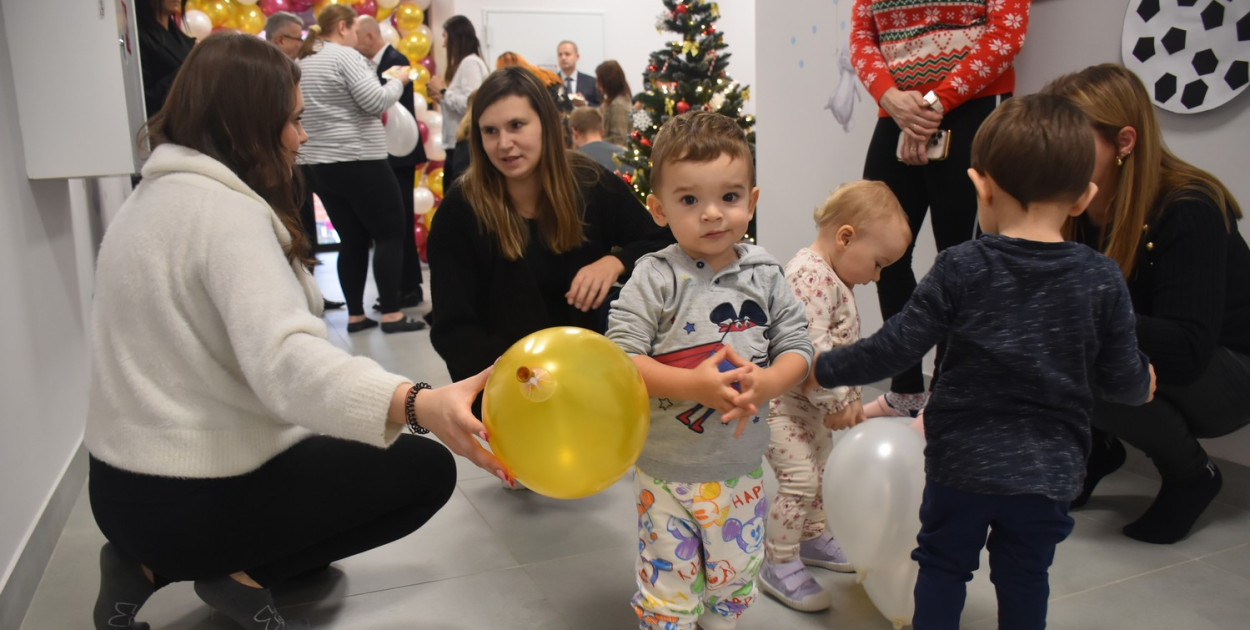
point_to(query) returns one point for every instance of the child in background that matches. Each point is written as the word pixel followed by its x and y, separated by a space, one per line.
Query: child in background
pixel 1031 324
pixel 715 332
pixel 861 230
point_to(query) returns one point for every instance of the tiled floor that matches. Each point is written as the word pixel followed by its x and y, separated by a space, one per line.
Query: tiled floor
pixel 499 559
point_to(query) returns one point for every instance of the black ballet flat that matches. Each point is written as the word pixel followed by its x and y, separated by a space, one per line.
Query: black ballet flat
pixel 406 324
pixel 364 324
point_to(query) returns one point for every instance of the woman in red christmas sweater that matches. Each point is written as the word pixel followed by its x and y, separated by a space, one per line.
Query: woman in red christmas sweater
pixel 937 68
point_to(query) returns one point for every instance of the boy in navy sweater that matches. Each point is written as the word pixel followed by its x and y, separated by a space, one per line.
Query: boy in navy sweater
pixel 1032 324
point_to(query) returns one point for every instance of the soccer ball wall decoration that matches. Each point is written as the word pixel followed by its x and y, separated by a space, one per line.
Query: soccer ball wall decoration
pixel 1193 55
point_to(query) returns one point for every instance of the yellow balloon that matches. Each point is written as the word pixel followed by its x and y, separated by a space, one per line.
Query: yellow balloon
pixel 250 19
pixel 321 4
pixel 428 217
pixel 408 17
pixel 384 12
pixel 567 412
pixel 414 45
pixel 434 181
pixel 422 74
pixel 221 12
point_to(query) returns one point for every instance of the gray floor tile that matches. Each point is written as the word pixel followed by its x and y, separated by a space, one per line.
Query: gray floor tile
pixel 537 528
pixel 495 599
pixel 1235 560
pixel 1194 596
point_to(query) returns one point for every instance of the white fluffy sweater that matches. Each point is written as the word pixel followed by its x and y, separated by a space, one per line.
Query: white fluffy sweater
pixel 209 356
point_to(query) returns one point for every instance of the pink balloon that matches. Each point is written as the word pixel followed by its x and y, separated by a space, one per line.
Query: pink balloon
pixel 269 7
pixel 420 234
pixel 366 7
pixel 428 62
pixel 423 130
pixel 299 6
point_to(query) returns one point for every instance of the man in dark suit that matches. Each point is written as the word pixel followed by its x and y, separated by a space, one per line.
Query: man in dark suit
pixel 370 44
pixel 579 85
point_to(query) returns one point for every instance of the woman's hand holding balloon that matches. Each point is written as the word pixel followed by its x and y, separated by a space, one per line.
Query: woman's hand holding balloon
pixel 447 413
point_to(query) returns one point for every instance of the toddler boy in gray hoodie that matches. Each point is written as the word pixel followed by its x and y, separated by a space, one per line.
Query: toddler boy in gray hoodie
pixel 716 332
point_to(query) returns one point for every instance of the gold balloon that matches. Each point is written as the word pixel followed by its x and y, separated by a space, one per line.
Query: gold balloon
pixel 221 12
pixel 428 217
pixel 408 17
pixel 414 45
pixel 321 4
pixel 566 411
pixel 422 74
pixel 250 19
pixel 434 181
pixel 384 13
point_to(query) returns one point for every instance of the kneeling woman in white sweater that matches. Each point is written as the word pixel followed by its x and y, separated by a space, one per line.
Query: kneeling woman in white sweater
pixel 231 443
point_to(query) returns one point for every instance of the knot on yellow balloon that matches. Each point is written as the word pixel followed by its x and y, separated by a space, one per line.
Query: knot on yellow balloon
pixel 536 383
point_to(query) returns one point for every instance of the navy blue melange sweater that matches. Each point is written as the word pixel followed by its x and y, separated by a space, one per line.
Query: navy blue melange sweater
pixel 1030 328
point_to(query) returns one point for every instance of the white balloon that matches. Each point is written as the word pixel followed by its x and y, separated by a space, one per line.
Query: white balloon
pixel 434 148
pixel 419 105
pixel 401 130
pixel 432 119
pixel 874 484
pixel 389 34
pixel 892 589
pixel 387 4
pixel 424 4
pixel 422 200
pixel 425 29
pixel 197 24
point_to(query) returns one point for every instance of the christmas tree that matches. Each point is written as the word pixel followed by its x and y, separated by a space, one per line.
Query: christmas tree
pixel 688 73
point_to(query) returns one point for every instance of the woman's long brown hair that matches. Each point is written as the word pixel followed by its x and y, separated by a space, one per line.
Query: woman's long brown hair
pixel 231 101
pixel 1151 176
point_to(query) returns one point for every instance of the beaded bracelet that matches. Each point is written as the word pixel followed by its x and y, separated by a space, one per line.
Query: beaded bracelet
pixel 410 408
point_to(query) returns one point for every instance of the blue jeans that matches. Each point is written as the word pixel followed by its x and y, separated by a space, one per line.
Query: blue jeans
pixel 1023 531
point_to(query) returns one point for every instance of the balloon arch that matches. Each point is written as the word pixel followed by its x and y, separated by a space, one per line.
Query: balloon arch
pixel 403 26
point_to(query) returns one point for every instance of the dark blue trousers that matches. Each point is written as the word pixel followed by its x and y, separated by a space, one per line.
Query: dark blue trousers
pixel 1022 533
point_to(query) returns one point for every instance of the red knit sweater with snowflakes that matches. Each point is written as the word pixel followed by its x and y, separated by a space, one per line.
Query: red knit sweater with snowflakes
pixel 959 49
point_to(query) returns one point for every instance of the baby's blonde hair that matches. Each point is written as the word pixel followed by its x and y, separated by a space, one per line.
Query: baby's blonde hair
pixel 857 204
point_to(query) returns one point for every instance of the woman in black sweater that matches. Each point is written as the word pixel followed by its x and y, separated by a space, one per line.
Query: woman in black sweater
pixel 1172 227
pixel 162 48
pixel 532 236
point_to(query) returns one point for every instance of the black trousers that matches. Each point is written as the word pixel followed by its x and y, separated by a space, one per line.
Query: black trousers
pixel 1167 428
pixel 943 186
pixel 410 271
pixel 363 201
pixel 321 500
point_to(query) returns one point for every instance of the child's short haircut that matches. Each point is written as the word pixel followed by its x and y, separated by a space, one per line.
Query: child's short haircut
pixel 859 203
pixel 1038 147
pixel 698 137
pixel 585 120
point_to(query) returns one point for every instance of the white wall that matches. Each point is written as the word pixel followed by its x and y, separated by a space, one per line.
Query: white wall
pixel 803 153
pixel 630 38
pixel 43 370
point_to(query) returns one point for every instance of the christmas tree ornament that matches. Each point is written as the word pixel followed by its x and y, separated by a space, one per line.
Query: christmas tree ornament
pixel 683 107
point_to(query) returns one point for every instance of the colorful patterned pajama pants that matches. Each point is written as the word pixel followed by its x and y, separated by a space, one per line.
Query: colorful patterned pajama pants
pixel 700 547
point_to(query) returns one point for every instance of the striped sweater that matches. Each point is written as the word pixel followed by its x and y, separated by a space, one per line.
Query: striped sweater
pixel 343 105
pixel 959 49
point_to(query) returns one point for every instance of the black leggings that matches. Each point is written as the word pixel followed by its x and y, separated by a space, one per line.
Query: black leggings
pixel 321 500
pixel 943 185
pixel 1167 428
pixel 363 202
pixel 410 274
